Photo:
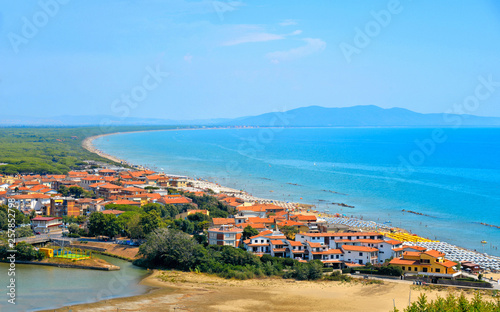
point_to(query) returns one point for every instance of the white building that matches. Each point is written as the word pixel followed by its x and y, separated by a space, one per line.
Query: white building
pixel 360 254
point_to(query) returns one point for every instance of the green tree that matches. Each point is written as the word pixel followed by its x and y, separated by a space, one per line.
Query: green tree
pixel 248 232
pixel 170 248
pixel 24 231
pixel 150 221
pixel 73 228
pixel 76 191
pixel 289 231
pixel 3 220
pixel 134 228
pixel 315 270
pixel 103 224
pixel 63 190
pixel 25 252
pixel 96 224
pixel 111 226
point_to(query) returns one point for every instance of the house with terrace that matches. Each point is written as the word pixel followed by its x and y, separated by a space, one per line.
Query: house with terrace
pixel 225 235
pixel 430 262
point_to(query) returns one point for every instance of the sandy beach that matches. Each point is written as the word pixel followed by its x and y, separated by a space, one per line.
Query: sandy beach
pixel 188 291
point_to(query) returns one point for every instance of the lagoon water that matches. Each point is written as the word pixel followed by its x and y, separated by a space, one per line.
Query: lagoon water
pixel 455 180
pixel 44 287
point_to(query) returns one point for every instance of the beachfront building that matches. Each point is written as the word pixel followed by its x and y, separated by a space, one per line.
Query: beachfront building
pixel 262 244
pixel 298 250
pixel 360 254
pixel 225 235
pixel 385 247
pixel 335 240
pixel 46 225
pixel 430 262
pixel 251 211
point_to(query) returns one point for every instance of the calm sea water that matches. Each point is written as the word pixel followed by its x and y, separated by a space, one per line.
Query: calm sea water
pixel 44 287
pixel 455 181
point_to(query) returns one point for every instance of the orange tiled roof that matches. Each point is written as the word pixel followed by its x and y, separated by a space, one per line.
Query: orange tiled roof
pixel 393 242
pixel 126 202
pixel 434 253
pixel 277 242
pixel 222 221
pixel 404 262
pixel 447 263
pixel 177 200
pixel 412 253
pixel 314 245
pixel 290 223
pixel 264 233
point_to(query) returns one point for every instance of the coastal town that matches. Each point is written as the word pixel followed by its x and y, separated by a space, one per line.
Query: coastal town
pixel 55 203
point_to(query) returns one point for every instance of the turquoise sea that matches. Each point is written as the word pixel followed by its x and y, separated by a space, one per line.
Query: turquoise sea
pixel 450 175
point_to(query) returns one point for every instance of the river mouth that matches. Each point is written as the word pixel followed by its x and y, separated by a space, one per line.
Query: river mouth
pixel 45 287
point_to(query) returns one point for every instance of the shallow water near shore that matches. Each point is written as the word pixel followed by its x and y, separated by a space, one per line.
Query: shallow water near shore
pixel 456 183
pixel 45 287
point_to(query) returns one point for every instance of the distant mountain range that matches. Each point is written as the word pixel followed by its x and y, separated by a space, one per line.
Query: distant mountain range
pixel 312 116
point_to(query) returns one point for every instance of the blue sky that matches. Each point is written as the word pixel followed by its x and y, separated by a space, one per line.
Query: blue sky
pixel 208 59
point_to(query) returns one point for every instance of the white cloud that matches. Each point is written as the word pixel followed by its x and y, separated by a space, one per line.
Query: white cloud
pixel 295 33
pixel 312 46
pixel 188 57
pixel 256 37
pixel 288 22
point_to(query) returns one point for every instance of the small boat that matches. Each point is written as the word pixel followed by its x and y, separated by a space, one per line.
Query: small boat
pixel 484 242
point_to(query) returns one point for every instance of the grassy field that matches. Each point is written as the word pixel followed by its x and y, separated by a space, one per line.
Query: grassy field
pixel 51 150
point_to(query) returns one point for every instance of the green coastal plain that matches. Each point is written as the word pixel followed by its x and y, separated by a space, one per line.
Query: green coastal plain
pixel 52 150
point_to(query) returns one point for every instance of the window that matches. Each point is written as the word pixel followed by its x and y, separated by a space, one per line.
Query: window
pixel 403 268
pixel 415 269
pixel 360 254
pixel 438 270
pixel 425 269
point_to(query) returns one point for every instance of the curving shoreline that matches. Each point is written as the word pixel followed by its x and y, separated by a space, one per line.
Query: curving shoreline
pixel 87 144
